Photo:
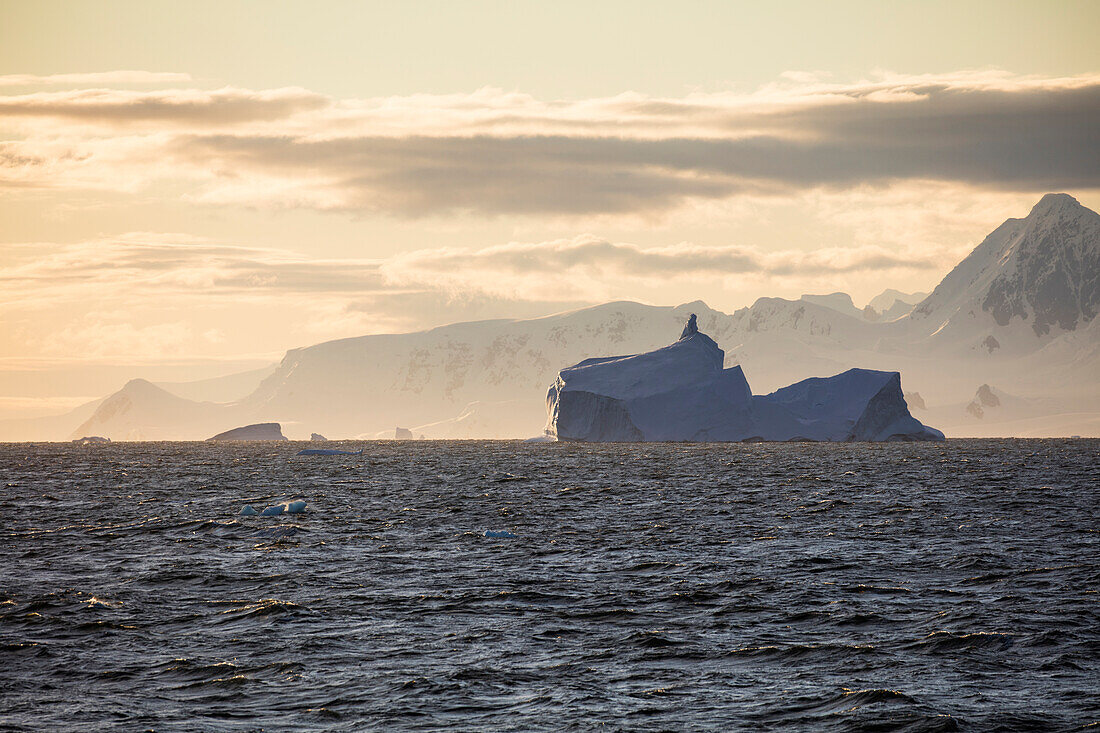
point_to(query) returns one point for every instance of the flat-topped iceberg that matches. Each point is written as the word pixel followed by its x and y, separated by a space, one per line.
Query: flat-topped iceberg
pixel 682 393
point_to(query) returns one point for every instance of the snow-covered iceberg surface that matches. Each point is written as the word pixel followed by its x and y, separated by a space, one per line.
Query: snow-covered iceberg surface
pixel 259 431
pixel 681 392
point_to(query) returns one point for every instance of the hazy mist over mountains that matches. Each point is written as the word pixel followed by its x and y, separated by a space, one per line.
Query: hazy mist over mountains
pixel 1006 344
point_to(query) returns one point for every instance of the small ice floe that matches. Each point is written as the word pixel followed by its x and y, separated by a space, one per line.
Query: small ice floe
pixel 287 507
pixel 501 533
pixel 248 511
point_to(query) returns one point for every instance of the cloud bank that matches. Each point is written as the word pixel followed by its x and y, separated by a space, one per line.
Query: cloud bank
pixel 589 264
pixel 495 153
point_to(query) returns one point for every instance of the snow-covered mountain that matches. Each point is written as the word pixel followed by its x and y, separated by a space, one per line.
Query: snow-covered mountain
pixel 371 383
pixel 891 304
pixel 143 411
pixel 1018 312
pixel 840 302
pixel 1031 280
pixel 888 305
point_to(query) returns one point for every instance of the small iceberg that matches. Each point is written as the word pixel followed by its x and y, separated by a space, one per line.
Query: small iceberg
pixel 501 533
pixel 329 452
pixel 287 507
pixel 248 511
pixel 91 440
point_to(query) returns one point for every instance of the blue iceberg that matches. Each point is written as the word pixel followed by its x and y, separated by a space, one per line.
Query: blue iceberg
pixel 682 393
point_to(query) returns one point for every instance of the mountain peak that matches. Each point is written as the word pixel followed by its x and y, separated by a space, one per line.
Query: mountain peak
pixel 1043 270
pixel 142 387
pixel 1054 203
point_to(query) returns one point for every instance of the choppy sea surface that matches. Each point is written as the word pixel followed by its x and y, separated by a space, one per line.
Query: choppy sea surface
pixel 917 587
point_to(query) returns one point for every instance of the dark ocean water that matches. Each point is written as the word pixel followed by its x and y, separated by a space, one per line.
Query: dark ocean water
pixel 783 586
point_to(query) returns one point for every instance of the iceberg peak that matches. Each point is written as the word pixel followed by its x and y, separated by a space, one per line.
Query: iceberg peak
pixel 691 328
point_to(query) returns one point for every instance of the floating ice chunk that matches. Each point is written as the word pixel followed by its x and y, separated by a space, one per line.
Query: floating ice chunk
pixel 498 533
pixel 274 510
pixel 296 507
pixel 248 511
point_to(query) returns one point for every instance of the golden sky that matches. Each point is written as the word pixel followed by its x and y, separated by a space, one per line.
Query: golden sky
pixel 187 189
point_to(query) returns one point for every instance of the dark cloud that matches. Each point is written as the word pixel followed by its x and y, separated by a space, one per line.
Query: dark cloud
pixel 1025 140
pixel 510 154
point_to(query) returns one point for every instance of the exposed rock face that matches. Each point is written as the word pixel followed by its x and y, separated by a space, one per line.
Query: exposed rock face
pixel 915 400
pixel 259 431
pixel 984 398
pixel 682 393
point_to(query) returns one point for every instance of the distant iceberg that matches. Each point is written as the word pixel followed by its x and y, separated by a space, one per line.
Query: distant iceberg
pixel 91 440
pixel 260 431
pixel 682 393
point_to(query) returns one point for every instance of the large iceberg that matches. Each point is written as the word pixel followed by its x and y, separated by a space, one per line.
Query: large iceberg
pixel 682 393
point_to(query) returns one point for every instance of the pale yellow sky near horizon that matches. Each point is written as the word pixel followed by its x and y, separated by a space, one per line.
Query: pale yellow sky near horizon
pixel 188 190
